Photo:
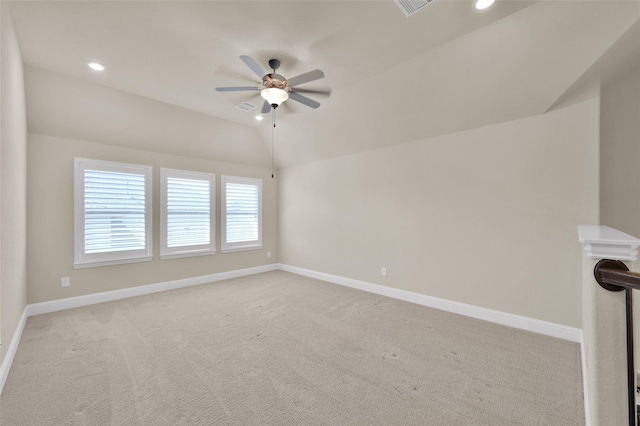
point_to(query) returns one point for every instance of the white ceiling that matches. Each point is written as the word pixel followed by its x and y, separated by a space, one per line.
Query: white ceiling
pixel 393 79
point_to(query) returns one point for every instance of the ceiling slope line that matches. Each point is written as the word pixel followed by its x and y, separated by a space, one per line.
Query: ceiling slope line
pixel 619 58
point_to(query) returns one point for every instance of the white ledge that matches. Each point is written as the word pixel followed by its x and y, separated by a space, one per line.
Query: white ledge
pixel 602 242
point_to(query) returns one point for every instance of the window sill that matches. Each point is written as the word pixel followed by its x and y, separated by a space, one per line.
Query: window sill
pixel 242 248
pixel 95 264
pixel 186 254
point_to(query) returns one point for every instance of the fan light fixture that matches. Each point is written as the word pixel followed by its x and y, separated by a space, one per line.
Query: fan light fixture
pixel 274 96
pixel 482 4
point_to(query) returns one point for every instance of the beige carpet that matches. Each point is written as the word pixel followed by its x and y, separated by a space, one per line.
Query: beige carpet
pixel 281 349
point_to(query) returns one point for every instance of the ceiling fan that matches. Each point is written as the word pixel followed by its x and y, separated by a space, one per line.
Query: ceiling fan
pixel 277 89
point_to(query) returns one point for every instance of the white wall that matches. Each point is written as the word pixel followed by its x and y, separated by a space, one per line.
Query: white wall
pixel 620 155
pixel 68 107
pixel 50 221
pixel 487 216
pixel 13 184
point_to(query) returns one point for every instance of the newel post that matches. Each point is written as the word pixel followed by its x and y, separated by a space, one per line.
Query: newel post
pixel 604 327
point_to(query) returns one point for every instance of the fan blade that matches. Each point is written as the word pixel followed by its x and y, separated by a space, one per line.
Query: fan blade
pixel 304 100
pixel 253 65
pixel 237 89
pixel 317 92
pixel 306 77
pixel 265 107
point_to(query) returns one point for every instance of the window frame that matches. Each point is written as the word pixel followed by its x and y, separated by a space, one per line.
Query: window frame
pixel 241 245
pixel 186 251
pixel 89 260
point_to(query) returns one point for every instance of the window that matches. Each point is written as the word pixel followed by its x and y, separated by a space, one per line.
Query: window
pixel 241 213
pixel 187 215
pixel 112 213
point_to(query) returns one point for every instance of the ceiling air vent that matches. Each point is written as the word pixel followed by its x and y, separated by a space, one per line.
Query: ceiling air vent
pixel 410 7
pixel 246 106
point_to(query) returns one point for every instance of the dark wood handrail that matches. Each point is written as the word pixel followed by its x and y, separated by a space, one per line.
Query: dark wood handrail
pixel 625 279
pixel 614 275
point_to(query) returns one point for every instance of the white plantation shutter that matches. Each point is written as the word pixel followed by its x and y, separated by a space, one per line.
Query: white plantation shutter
pixel 187 214
pixel 112 213
pixel 242 213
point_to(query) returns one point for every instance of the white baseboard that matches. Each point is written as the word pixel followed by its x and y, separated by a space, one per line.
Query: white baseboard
pixel 517 321
pixel 11 351
pixel 108 296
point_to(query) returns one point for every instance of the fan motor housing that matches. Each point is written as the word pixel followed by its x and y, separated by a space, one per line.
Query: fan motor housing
pixel 275 80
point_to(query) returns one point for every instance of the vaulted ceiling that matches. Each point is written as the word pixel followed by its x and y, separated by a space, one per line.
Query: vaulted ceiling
pixel 393 79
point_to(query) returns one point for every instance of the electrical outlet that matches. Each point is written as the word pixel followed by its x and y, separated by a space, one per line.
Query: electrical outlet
pixel 269 254
pixel 65 282
pixel 383 271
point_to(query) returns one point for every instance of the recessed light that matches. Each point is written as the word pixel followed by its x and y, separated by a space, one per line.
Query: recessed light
pixel 482 4
pixel 96 66
pixel 259 117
